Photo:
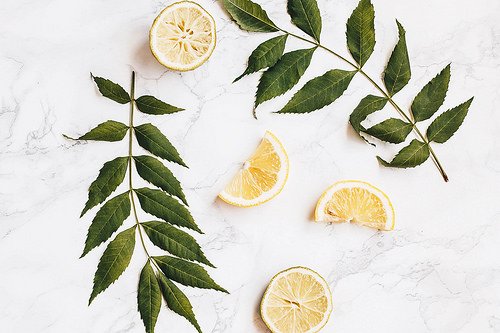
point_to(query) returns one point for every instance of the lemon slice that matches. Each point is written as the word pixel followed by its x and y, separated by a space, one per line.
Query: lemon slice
pixel 297 300
pixel 182 36
pixel 262 176
pixel 357 202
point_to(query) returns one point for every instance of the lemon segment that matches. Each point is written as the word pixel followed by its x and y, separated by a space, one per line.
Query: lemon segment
pixel 262 176
pixel 183 36
pixel 297 300
pixel 357 202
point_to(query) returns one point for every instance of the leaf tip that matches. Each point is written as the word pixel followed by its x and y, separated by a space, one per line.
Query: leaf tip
pixel 383 162
pixel 85 251
pixel 467 103
pixel 401 30
pixel 207 262
pixel 239 77
pixel 92 297
pixel 446 71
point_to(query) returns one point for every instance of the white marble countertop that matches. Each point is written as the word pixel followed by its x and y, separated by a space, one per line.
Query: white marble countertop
pixel 438 271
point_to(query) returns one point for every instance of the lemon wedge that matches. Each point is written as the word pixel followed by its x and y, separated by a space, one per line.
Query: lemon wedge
pixel 297 300
pixel 182 36
pixel 262 176
pixel 357 202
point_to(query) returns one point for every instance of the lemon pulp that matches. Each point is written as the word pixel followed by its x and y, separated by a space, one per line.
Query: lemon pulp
pixel 356 202
pixel 297 300
pixel 261 177
pixel 183 36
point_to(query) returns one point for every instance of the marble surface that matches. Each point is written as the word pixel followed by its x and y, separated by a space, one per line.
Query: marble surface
pixel 438 271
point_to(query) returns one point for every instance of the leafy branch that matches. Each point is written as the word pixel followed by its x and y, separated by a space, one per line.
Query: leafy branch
pixel 168 203
pixel 282 71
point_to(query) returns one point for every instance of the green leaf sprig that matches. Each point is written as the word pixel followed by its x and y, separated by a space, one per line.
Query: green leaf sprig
pixel 284 70
pixel 168 204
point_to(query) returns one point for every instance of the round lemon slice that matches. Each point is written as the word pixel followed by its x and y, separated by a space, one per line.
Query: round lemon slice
pixel 357 202
pixel 297 300
pixel 262 176
pixel 182 37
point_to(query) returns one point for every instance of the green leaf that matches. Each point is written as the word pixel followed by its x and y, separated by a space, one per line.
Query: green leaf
pixel 110 176
pixel 153 171
pixel 319 92
pixel 152 139
pixel 177 301
pixel 283 75
pixel 107 220
pixel 410 156
pixel 163 206
pixel 111 90
pixel 149 297
pixel 186 273
pixel 366 106
pixel 398 72
pixel 108 131
pixel 361 32
pixel 431 97
pixel 391 130
pixel 152 105
pixel 175 241
pixel 265 55
pixel 249 15
pixel 305 15
pixel 444 126
pixel 114 261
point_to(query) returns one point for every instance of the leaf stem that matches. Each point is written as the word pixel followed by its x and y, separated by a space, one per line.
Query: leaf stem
pixel 130 155
pixel 386 95
pixel 321 46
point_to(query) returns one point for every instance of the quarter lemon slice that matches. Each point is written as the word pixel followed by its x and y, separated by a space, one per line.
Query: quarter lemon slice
pixel 262 176
pixel 297 300
pixel 357 202
pixel 182 36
